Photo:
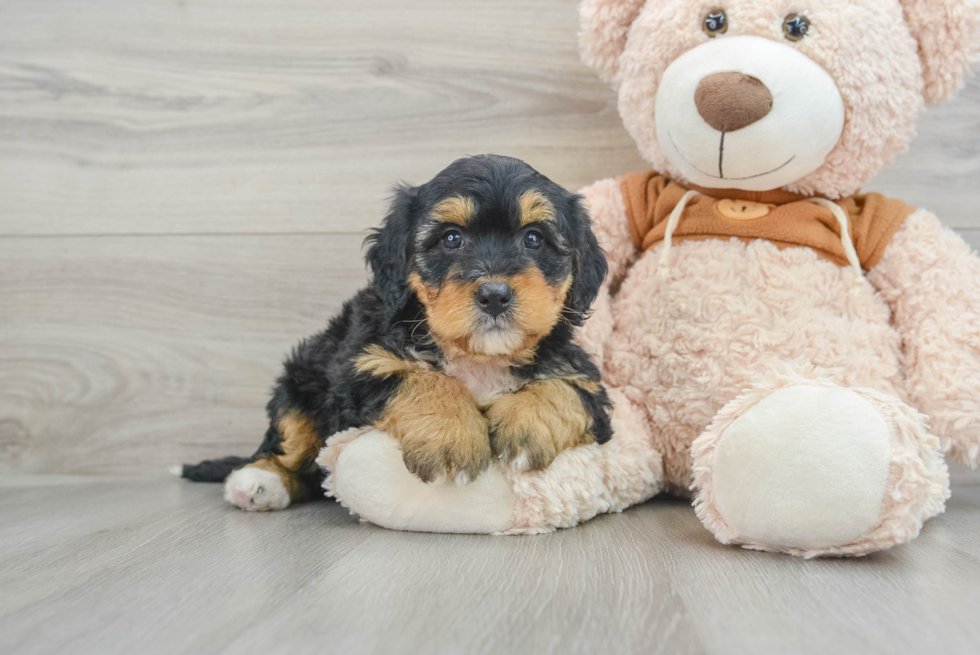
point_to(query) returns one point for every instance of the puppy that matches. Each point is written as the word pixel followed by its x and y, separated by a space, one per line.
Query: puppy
pixel 460 348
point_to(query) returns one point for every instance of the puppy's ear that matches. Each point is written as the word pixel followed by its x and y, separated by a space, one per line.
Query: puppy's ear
pixel 604 27
pixel 589 264
pixel 948 32
pixel 388 255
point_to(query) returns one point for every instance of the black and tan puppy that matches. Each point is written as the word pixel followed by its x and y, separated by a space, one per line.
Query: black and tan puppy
pixel 460 348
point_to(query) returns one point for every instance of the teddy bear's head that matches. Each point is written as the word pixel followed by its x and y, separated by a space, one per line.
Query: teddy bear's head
pixel 810 96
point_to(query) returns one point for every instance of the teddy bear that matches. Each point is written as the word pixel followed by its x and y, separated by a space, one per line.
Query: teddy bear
pixel 795 356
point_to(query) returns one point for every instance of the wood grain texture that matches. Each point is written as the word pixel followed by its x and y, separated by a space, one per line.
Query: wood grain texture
pixel 258 116
pixel 164 566
pixel 941 168
pixel 255 116
pixel 118 354
pixel 972 237
pixel 184 185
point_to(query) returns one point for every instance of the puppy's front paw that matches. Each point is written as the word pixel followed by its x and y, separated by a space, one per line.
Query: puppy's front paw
pixel 527 446
pixel 256 490
pixel 441 431
pixel 529 428
pixel 459 452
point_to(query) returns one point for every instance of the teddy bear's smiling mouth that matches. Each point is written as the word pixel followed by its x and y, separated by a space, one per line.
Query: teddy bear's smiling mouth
pixel 721 163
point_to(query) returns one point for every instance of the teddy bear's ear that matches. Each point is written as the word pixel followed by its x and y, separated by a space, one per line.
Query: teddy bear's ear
pixel 948 32
pixel 602 38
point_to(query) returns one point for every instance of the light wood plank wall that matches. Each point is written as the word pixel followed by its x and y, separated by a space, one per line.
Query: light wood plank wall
pixel 184 186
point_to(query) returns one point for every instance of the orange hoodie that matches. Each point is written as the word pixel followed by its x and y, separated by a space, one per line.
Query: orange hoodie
pixel 783 218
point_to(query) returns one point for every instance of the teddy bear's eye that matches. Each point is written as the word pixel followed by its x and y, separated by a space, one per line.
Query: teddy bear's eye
pixel 796 27
pixel 715 23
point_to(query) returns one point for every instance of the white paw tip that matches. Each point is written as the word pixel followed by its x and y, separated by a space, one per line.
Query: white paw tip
pixel 176 469
pixel 462 479
pixel 520 463
pixel 256 490
pixel 438 480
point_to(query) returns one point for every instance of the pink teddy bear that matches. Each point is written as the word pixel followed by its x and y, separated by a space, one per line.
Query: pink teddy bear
pixel 803 354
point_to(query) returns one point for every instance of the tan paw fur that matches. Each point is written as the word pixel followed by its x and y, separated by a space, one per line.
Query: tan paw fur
pixel 441 430
pixel 530 428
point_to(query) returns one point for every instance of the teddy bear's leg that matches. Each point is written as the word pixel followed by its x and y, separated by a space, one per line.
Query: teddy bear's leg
pixel 590 480
pixel 368 475
pixel 810 468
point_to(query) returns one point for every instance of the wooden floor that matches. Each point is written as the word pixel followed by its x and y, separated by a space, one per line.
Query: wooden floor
pixel 90 565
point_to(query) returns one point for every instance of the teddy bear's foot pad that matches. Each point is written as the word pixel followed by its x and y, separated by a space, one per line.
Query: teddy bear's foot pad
pixel 372 481
pixel 817 469
pixel 805 467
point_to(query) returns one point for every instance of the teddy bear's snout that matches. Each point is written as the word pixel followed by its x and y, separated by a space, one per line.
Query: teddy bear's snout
pixel 731 101
pixel 744 112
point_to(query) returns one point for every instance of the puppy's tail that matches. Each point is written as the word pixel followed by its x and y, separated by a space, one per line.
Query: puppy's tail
pixel 210 470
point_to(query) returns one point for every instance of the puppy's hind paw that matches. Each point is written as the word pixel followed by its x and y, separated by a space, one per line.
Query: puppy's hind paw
pixel 256 490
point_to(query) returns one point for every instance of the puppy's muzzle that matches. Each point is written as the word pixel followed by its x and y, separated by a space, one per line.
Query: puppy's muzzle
pixel 494 298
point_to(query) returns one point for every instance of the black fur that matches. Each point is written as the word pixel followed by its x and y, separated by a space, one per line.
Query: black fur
pixel 589 264
pixel 320 380
pixel 388 256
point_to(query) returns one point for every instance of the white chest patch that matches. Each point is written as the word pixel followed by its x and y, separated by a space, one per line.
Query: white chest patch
pixel 485 380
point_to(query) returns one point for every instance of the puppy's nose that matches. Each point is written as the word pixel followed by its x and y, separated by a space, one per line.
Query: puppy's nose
pixel 731 101
pixel 494 298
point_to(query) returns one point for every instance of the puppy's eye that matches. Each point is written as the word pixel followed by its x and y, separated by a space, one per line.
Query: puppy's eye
pixel 796 27
pixel 533 240
pixel 452 240
pixel 715 23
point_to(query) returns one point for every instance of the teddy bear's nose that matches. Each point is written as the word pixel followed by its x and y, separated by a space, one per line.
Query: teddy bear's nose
pixel 731 101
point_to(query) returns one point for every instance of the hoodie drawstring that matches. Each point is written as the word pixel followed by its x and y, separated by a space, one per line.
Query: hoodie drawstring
pixel 663 269
pixel 845 239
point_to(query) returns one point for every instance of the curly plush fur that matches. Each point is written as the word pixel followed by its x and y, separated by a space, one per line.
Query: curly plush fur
pixel 736 322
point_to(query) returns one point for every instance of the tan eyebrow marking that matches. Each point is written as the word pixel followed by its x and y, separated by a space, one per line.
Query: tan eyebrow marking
pixel 535 208
pixel 458 210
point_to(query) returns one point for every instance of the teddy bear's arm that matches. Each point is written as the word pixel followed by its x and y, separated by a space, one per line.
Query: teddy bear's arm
pixel 604 200
pixel 931 280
